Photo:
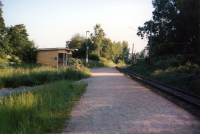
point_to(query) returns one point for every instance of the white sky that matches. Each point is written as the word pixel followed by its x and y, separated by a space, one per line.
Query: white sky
pixel 50 23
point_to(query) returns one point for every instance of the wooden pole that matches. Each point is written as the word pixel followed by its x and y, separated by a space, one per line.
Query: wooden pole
pixel 132 53
pixel 150 43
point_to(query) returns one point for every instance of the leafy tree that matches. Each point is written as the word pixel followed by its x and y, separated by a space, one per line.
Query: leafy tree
pixel 118 51
pixel 5 47
pixel 19 38
pixel 81 53
pixel 21 46
pixel 75 41
pixel 98 37
pixel 125 51
pixel 107 50
pixel 176 26
pixel 27 53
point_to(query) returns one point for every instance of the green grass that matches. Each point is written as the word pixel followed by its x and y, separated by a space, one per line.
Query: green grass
pixel 185 77
pixel 42 110
pixel 34 74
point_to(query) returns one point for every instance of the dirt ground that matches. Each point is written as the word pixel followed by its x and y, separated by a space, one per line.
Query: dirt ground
pixel 116 104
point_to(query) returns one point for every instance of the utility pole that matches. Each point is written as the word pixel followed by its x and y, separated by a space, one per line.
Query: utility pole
pixel 150 43
pixel 86 50
pixel 134 56
pixel 132 53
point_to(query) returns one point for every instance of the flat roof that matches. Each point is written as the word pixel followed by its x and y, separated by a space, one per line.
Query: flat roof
pixel 57 48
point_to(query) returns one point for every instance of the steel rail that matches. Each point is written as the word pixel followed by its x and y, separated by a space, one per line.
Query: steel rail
pixel 144 79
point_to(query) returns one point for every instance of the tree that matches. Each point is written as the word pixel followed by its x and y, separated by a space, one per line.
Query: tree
pixel 107 50
pixel 118 51
pixel 81 53
pixel 20 44
pixel 98 37
pixel 27 53
pixel 19 38
pixel 125 51
pixel 5 47
pixel 176 26
pixel 75 41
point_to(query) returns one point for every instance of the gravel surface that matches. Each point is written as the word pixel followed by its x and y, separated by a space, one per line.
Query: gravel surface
pixel 116 104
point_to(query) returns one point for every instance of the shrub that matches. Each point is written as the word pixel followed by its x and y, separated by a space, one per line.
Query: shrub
pixel 121 63
pixel 94 57
pixel 104 60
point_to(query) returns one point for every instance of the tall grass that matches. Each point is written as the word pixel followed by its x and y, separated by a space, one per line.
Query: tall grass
pixel 42 110
pixel 30 75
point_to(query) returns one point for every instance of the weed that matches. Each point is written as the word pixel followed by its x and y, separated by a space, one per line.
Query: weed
pixel 34 74
pixel 41 110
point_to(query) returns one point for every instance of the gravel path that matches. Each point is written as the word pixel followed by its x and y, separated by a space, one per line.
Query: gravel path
pixel 115 104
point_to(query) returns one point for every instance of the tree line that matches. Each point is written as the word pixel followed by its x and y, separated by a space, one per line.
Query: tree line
pixel 99 46
pixel 14 41
pixel 175 28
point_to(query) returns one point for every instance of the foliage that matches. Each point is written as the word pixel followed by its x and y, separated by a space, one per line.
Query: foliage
pixel 2 66
pixel 21 46
pixel 75 41
pixel 175 27
pixel 104 60
pixel 95 64
pixel 81 53
pixel 77 64
pixel 14 41
pixel 125 52
pixel 27 54
pixel 99 46
pixel 121 63
pixel 5 47
pixel 13 59
pixel 118 51
pixel 94 57
pixel 41 110
pixel 98 37
pixel 34 74
pixel 170 70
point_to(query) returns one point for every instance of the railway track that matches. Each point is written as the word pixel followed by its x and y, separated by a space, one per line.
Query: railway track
pixel 180 94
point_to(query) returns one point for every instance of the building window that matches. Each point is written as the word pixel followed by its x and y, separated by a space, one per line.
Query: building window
pixel 46 52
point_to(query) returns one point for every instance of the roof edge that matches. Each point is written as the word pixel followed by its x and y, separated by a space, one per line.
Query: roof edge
pixel 45 49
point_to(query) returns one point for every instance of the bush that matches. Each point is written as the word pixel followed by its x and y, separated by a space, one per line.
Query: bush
pixel 168 70
pixel 13 59
pixel 104 60
pixel 121 63
pixel 94 57
pixel 27 53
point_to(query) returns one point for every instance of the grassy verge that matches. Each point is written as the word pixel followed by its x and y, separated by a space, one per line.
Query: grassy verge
pixel 185 77
pixel 33 74
pixel 42 110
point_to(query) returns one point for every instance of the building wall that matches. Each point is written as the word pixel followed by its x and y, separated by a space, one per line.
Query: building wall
pixel 42 57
